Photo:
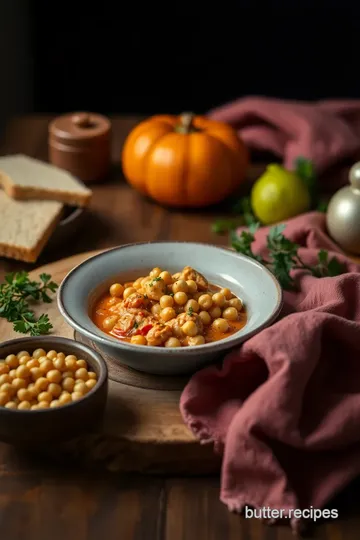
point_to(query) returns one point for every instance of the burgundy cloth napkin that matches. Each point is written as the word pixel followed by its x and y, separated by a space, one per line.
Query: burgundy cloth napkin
pixel 284 409
pixel 327 132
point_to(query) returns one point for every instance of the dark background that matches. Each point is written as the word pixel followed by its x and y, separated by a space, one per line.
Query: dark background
pixel 139 58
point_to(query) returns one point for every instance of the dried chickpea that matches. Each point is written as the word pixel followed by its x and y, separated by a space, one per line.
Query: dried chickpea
pixel 68 384
pixel 12 373
pixel 34 390
pixel 36 373
pixel 34 407
pixel 70 362
pixel 66 374
pixel 54 389
pixel 92 375
pixel 218 299
pixel 24 394
pixel 76 395
pixel 192 305
pixel 172 342
pixel 180 298
pixel 24 405
pixel 12 361
pixel 4 368
pixel 155 272
pixel 91 383
pixel 52 354
pixel 236 303
pixel 226 292
pixel 22 353
pixel 81 374
pixel 42 383
pixel 221 325
pixel 205 301
pixel 180 286
pixel 8 388
pixel 5 378
pixel 192 286
pixel 11 405
pixel 128 291
pixel 196 340
pixel 81 363
pixel 44 396
pixel 167 313
pixel 54 375
pixel 230 313
pixel 42 405
pixel 167 277
pixel 109 322
pixel 215 312
pixel 65 397
pixel 24 360
pixel 46 366
pixel 18 383
pixel 32 363
pixel 166 301
pixel 80 387
pixel 59 363
pixel 4 398
pixel 189 328
pixel 61 355
pixel 38 353
pixel 136 340
pixel 155 310
pixel 42 359
pixel 54 403
pixel 117 290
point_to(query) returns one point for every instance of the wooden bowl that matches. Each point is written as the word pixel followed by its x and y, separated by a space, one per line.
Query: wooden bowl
pixel 34 428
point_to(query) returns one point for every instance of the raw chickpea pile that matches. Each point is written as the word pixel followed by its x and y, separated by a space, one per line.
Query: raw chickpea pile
pixel 170 310
pixel 43 380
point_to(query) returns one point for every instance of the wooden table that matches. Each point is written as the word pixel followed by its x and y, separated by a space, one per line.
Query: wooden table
pixel 39 501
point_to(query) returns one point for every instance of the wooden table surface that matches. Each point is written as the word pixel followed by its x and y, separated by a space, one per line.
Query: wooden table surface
pixel 39 500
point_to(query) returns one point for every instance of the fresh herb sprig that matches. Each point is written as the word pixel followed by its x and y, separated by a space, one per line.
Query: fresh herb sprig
pixel 283 256
pixel 16 293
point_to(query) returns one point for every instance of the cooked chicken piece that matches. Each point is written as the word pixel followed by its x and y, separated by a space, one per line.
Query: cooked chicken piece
pixel 176 324
pixel 189 273
pixel 136 300
pixel 155 288
pixel 125 323
pixel 158 334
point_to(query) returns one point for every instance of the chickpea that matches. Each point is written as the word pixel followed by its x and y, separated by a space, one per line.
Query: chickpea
pixel 32 363
pixel 70 362
pixel 44 396
pixel 166 301
pixel 92 375
pixel 180 286
pixel 59 363
pixel 196 340
pixel 109 322
pixel 38 353
pixel 167 314
pixel 155 272
pixel 54 389
pixel 76 395
pixel 8 388
pixel 33 389
pixel 219 299
pixel 192 305
pixel 81 363
pixel 61 355
pixel 155 310
pixel 4 368
pixel 12 361
pixel 136 340
pixel 192 286
pixel 54 403
pixel 52 355
pixel 90 384
pixel 24 405
pixel 128 291
pixel 172 342
pixel 205 301
pixel 189 328
pixel 226 292
pixel 221 325
pixel 18 383
pixel 23 372
pixel 54 376
pixel 145 281
pixel 66 374
pixel 24 360
pixel 11 405
pixel 22 353
pixel 230 313
pixel 80 387
pixel 36 373
pixel 215 312
pixel 5 378
pixel 65 397
pixel 24 394
pixel 12 373
pixel 236 303
pixel 68 384
pixel 42 359
pixel 4 398
pixel 167 277
pixel 46 366
pixel 43 405
pixel 137 283
pixel 180 298
pixel 117 290
pixel 34 407
pixel 42 383
pixel 82 374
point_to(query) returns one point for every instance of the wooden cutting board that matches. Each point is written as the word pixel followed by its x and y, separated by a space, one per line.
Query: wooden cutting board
pixel 143 429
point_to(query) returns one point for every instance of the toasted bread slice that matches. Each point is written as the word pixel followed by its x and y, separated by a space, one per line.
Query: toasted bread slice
pixel 25 178
pixel 25 226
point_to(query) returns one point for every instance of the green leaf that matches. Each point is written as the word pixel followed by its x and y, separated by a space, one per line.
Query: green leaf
pixel 335 268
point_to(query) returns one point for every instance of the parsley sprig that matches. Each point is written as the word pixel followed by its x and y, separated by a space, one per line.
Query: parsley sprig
pixel 283 256
pixel 16 293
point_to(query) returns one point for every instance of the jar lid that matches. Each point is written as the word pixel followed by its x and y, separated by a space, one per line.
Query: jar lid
pixel 80 128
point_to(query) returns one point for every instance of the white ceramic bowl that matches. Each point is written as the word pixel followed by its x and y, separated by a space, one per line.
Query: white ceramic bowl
pixel 249 280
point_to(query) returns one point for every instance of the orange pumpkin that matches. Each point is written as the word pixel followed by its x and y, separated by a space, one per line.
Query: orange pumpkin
pixel 185 161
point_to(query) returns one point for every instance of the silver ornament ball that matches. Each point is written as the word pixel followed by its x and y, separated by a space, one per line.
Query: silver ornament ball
pixel 343 214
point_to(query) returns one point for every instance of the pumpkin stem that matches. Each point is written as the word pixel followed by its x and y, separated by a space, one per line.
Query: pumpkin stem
pixel 186 123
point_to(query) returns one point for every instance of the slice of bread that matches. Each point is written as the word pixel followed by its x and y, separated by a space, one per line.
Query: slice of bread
pixel 25 178
pixel 25 226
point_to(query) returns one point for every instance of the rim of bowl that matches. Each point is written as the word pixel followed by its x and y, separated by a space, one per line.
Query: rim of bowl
pixel 58 339
pixel 212 346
